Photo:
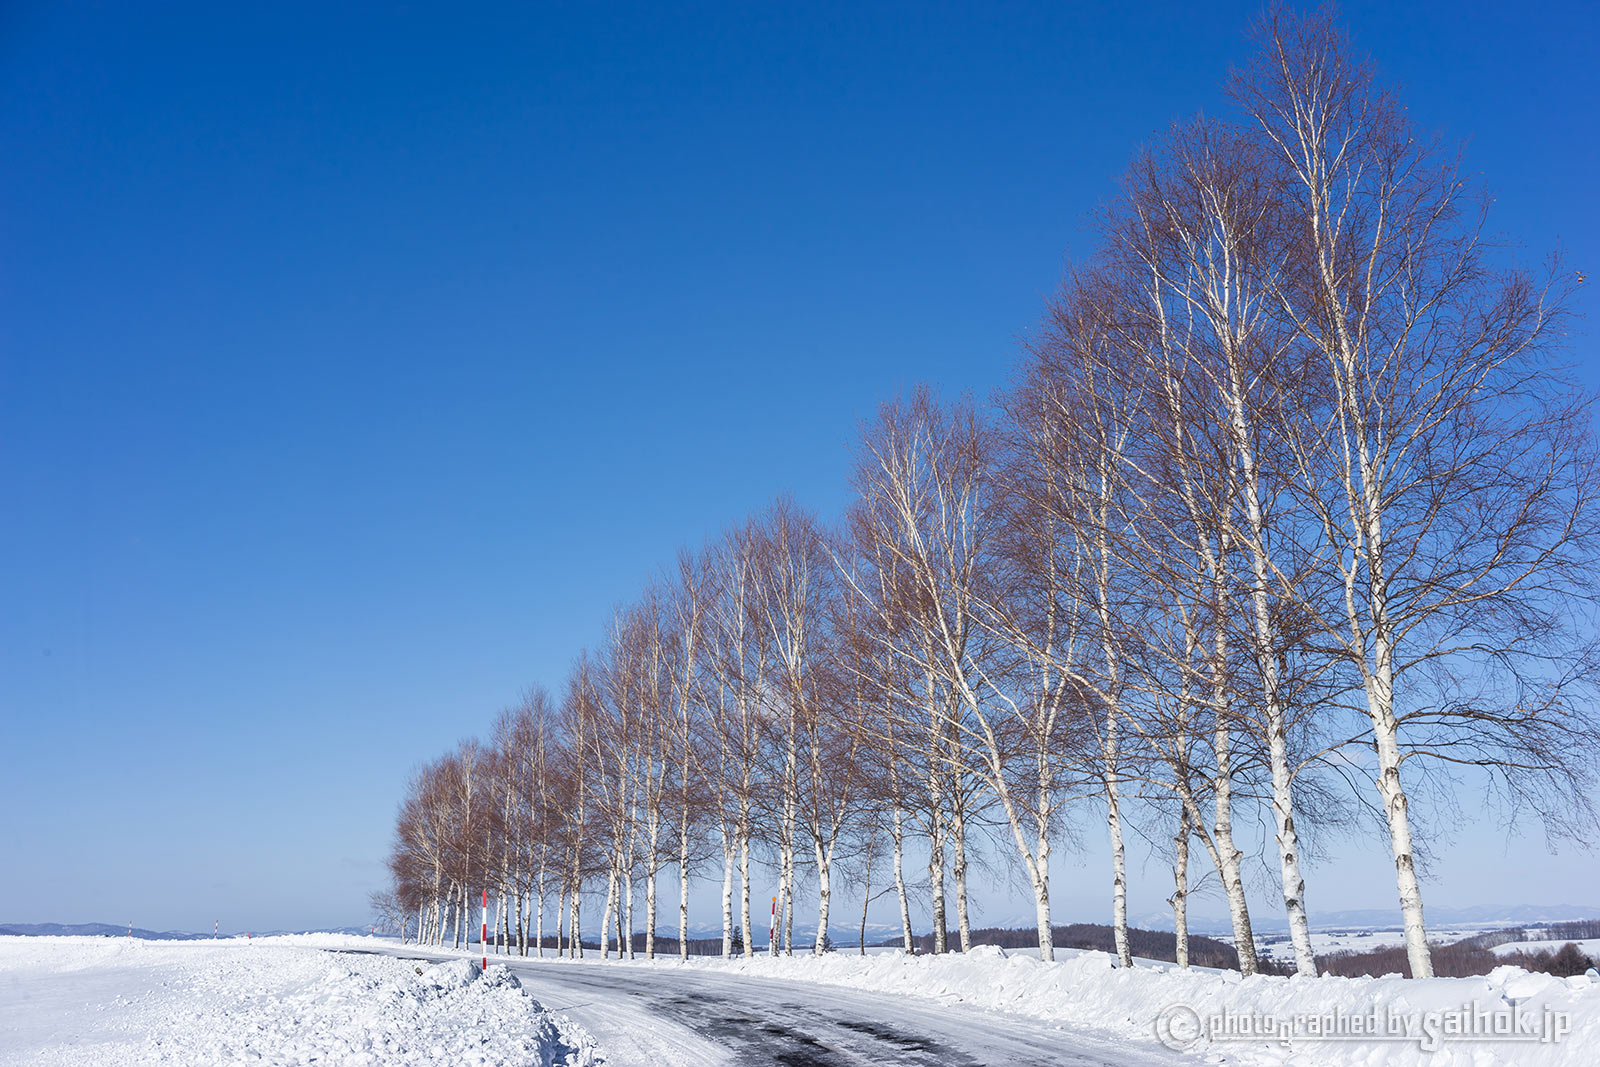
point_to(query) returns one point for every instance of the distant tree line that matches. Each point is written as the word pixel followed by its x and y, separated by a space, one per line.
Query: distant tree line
pixel 1460 960
pixel 1098 937
pixel 1287 518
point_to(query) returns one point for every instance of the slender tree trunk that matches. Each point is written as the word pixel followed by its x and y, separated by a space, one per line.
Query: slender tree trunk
pixel 727 891
pixel 786 842
pixel 650 870
pixel 744 885
pixel 1229 857
pixel 958 869
pixel 936 825
pixel 683 883
pixel 786 912
pixel 1294 886
pixel 1041 908
pixel 1041 863
pixel 628 894
pixel 1180 892
pixel 575 937
pixel 606 916
pixel 824 895
pixel 866 902
pixel 1366 508
pixel 936 878
pixel 1119 861
pixel 1266 653
pixel 1399 821
pixel 1111 741
pixel 461 907
pixel 898 835
pixel 1038 866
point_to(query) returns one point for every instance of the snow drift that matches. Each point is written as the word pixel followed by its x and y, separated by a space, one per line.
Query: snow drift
pixel 1223 1017
pixel 98 1002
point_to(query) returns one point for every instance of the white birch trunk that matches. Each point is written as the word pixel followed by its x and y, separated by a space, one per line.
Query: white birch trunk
pixel 727 892
pixel 1119 868
pixel 1180 892
pixel 1265 652
pixel 606 917
pixel 744 892
pixel 958 869
pixel 683 885
pixel 824 896
pixel 650 870
pixel 898 835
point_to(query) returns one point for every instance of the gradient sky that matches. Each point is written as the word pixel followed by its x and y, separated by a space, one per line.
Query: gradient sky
pixel 355 363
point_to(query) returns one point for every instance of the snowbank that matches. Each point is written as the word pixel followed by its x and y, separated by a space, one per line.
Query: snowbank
pixel 102 1001
pixel 1258 1020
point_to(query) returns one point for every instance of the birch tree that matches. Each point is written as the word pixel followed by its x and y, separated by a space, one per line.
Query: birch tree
pixel 1452 474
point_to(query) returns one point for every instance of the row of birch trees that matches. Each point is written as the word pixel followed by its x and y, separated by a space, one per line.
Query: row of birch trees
pixel 1285 525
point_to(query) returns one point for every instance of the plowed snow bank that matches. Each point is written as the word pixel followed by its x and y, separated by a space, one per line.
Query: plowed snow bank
pixel 94 1002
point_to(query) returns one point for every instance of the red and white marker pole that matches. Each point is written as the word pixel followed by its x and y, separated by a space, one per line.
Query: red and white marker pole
pixel 772 933
pixel 216 929
pixel 485 942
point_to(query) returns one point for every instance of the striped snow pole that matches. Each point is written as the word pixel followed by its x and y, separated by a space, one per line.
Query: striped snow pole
pixel 216 929
pixel 485 942
pixel 772 932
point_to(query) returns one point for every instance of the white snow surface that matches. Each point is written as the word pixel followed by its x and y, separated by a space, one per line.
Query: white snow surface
pixel 1588 946
pixel 98 1002
pixel 1086 991
pixel 281 1001
pixel 1277 946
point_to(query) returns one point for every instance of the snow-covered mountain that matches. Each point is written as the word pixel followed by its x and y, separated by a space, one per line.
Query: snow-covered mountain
pixel 121 930
pixel 93 930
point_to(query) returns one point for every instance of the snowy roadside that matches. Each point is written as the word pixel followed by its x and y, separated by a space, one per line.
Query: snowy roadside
pixel 98 1002
pixel 1509 1017
pixel 1226 1018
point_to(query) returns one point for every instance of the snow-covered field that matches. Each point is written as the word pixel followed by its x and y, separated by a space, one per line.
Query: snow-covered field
pixel 1589 947
pixel 98 1002
pixel 1364 939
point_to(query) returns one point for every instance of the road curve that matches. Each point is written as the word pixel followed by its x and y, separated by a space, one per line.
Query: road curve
pixel 664 1017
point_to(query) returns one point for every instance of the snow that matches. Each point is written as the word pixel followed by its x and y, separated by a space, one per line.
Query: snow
pixel 1588 946
pixel 97 1002
pixel 1085 992
pixel 287 1000
pixel 1362 939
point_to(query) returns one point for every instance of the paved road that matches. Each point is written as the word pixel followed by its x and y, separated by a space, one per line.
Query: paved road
pixel 664 1017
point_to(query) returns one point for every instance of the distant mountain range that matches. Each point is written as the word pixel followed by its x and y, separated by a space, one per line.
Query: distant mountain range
pixel 94 930
pixel 114 930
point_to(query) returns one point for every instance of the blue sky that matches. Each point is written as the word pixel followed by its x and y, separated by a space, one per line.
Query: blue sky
pixel 354 363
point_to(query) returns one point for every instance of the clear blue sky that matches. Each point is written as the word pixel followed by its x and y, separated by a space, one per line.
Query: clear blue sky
pixel 355 363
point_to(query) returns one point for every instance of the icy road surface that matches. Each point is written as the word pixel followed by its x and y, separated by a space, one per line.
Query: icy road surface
pixel 672 1016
